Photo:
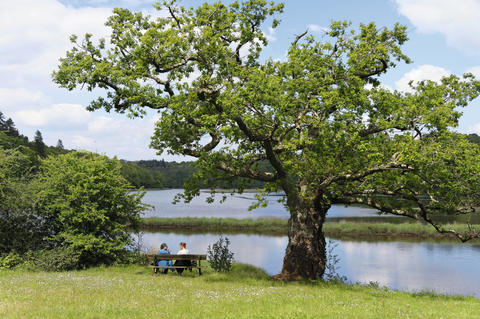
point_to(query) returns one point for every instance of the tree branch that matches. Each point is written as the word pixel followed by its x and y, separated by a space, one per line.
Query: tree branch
pixel 121 105
pixel 225 166
pixel 374 72
pixel 238 58
pixel 358 176
pixel 365 199
pixel 172 14
pixel 298 37
pixel 372 130
pixel 247 172
pixel 160 69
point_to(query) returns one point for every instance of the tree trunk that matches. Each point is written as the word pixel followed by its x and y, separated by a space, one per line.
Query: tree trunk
pixel 305 256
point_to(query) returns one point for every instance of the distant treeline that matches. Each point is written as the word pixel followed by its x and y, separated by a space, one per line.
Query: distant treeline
pixel 474 138
pixel 140 176
pixel 175 174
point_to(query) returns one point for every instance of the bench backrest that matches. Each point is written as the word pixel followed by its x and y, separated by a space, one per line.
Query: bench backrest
pixel 179 257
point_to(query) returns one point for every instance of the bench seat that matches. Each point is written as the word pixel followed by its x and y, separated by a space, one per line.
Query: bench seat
pixel 196 261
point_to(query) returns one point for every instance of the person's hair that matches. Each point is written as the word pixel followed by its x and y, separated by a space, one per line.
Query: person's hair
pixel 163 246
pixel 183 244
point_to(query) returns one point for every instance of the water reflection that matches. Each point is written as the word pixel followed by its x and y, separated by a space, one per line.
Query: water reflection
pixel 235 207
pixel 259 250
pixel 441 267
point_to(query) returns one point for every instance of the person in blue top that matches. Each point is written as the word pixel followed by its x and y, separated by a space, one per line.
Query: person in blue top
pixel 164 263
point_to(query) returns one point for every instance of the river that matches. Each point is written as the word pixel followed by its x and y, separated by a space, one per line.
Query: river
pixel 234 207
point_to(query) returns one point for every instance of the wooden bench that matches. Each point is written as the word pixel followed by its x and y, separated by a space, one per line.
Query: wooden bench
pixel 194 259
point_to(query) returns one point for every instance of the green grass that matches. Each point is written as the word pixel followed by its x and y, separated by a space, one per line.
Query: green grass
pixel 388 231
pixel 246 292
pixel 276 226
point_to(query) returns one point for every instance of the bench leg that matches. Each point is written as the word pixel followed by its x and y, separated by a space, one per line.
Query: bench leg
pixel 199 268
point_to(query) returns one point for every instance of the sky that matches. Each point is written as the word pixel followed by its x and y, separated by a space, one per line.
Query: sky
pixel 34 34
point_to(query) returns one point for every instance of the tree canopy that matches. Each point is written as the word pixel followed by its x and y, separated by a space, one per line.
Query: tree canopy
pixel 330 132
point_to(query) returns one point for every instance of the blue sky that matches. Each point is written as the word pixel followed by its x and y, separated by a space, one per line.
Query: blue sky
pixel 444 38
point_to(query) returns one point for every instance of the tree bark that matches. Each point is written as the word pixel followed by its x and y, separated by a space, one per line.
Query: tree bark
pixel 305 256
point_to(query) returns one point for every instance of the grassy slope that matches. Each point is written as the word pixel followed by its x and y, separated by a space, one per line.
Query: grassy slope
pixel 133 292
pixel 344 229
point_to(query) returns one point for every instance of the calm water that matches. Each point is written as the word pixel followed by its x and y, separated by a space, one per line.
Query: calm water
pixel 440 267
pixel 234 207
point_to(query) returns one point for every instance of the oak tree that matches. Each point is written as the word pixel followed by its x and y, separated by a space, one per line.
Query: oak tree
pixel 329 131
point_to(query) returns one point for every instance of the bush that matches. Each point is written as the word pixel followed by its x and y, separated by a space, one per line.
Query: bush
pixel 129 257
pixel 10 260
pixel 57 259
pixel 87 205
pixel 219 256
pixel 332 267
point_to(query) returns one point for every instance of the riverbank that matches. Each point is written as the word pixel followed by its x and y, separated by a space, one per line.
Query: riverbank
pixel 340 229
pixel 246 292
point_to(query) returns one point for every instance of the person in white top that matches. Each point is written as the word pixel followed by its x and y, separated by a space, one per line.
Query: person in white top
pixel 183 251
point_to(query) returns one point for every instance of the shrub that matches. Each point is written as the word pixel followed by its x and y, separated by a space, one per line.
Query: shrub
pixel 129 257
pixel 10 260
pixel 57 259
pixel 87 205
pixel 219 256
pixel 332 267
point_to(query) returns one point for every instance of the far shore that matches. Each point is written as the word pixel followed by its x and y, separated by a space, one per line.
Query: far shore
pixel 341 228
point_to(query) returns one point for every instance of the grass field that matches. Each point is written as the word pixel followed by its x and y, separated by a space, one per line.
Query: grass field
pixel 246 292
pixel 276 226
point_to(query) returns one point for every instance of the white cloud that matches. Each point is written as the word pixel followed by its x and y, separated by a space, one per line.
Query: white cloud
pixel 424 72
pixel 383 86
pixel 270 35
pixel 12 99
pixel 317 29
pixel 34 34
pixel 475 71
pixel 125 138
pixel 103 124
pixel 474 129
pixel 81 142
pixel 57 116
pixel 111 134
pixel 458 21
